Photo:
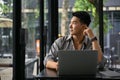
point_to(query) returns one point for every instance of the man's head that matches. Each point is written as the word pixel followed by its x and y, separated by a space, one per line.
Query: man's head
pixel 79 21
pixel 83 16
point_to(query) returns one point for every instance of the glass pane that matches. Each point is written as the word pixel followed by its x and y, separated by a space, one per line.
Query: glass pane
pixel 30 22
pixel 65 11
pixel 112 39
pixel 6 25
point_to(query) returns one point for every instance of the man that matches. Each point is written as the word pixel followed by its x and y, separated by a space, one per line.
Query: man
pixel 81 37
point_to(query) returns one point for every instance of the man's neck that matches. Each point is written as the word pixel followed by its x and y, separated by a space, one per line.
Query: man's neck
pixel 78 38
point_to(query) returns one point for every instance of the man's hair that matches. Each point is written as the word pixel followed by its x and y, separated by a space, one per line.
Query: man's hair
pixel 83 16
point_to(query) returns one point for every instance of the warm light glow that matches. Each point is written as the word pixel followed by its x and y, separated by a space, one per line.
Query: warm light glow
pixel 112 8
pixel 118 8
pixel 38 47
pixel 104 9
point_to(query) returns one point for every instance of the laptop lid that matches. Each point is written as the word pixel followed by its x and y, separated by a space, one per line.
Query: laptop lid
pixel 73 62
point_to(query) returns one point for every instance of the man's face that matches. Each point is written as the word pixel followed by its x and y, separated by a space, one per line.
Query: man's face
pixel 75 26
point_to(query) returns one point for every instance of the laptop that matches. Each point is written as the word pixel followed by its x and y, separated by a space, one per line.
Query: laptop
pixel 77 63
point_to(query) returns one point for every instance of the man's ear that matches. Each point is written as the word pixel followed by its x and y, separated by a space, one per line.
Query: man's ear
pixel 85 26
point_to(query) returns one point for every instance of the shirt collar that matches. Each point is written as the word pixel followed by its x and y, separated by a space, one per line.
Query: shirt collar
pixel 84 41
pixel 69 37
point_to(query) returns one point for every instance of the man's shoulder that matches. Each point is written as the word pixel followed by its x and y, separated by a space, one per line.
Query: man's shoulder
pixel 61 41
pixel 64 38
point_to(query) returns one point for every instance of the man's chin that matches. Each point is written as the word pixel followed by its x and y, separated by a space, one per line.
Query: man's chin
pixel 71 33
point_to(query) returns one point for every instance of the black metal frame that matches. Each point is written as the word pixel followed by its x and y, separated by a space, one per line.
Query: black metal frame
pixel 101 34
pixel 41 28
pixel 18 43
pixel 52 27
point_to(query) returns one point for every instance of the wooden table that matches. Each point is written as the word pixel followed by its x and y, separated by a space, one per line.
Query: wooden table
pixel 52 74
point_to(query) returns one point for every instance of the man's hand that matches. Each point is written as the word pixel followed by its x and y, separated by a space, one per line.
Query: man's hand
pixel 56 66
pixel 88 32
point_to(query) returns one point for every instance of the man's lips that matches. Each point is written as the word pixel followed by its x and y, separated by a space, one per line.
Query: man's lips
pixel 71 30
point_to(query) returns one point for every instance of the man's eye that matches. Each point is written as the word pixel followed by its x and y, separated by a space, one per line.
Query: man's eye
pixel 75 23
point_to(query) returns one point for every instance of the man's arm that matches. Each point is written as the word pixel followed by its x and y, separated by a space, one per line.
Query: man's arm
pixel 50 60
pixel 96 46
pixel 95 43
pixel 52 64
